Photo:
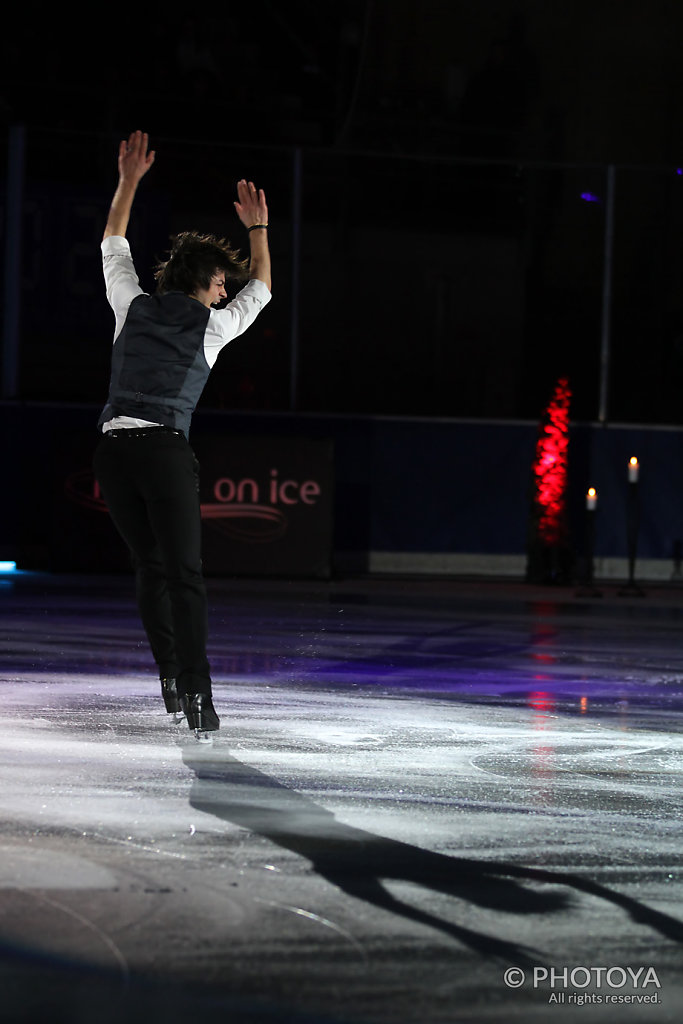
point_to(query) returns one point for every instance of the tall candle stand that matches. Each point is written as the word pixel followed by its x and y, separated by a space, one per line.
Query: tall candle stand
pixel 588 588
pixel 631 588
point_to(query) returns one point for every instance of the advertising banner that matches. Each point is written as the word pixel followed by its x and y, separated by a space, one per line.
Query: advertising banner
pixel 266 506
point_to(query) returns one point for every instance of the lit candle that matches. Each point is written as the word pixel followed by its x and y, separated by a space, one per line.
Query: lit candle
pixel 633 470
pixel 591 499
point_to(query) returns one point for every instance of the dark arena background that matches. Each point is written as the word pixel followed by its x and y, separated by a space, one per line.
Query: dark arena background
pixel 441 495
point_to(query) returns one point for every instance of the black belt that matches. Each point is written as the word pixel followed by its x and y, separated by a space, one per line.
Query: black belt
pixel 131 432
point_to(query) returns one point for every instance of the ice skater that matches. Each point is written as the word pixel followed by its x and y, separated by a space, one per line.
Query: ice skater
pixel 165 345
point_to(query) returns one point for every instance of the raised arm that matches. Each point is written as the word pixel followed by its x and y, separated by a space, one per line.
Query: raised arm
pixel 252 210
pixel 134 162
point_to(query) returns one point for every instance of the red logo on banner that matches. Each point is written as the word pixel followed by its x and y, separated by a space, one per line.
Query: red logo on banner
pixel 239 510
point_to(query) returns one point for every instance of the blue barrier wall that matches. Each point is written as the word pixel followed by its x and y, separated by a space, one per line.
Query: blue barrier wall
pixel 401 485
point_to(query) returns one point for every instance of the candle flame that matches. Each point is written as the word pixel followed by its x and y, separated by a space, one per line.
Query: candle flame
pixel 591 492
pixel 633 461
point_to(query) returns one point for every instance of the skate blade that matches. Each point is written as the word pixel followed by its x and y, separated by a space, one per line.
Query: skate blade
pixel 176 717
pixel 202 736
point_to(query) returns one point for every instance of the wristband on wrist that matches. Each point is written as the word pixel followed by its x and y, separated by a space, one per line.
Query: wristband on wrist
pixel 254 226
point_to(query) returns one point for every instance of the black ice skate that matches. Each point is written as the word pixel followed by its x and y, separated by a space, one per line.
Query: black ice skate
pixel 201 715
pixel 169 691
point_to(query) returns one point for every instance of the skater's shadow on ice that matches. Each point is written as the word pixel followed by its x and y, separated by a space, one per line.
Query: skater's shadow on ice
pixel 358 861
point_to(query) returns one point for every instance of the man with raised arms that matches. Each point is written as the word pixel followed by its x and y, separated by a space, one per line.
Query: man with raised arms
pixel 165 345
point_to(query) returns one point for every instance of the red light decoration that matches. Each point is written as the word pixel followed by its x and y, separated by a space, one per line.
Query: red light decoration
pixel 550 466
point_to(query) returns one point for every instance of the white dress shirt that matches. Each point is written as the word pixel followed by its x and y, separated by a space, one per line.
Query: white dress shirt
pixel 122 287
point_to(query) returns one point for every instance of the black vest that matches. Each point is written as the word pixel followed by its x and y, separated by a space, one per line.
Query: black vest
pixel 158 366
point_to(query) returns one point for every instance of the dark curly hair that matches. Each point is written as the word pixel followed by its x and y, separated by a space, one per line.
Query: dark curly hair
pixel 194 259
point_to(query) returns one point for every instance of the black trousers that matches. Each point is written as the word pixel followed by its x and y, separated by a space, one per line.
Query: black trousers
pixel 149 479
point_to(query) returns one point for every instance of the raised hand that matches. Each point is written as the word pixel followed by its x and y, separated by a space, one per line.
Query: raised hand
pixel 251 204
pixel 134 162
pixel 134 158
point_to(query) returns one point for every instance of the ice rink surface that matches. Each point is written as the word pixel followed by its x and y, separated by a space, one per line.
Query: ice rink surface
pixel 429 801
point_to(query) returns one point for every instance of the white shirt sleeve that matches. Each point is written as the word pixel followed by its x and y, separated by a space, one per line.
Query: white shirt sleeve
pixel 240 312
pixel 120 278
